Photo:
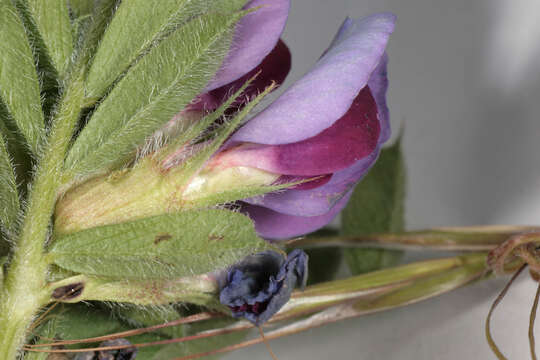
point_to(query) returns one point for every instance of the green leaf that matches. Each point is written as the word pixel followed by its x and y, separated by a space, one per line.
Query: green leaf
pixel 9 195
pixel 19 86
pixel 376 206
pixel 162 83
pixel 137 26
pixel 47 73
pixel 52 20
pixel 166 246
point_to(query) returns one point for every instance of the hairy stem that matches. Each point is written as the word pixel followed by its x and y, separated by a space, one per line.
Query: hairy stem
pixel 24 290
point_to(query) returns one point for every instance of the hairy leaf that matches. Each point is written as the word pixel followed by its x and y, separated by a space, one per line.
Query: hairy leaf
pixel 17 150
pixel 19 86
pixel 137 26
pixel 166 246
pixel 376 206
pixel 161 84
pixel 52 20
pixel 9 197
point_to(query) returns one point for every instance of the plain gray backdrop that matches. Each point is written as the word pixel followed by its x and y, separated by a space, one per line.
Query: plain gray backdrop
pixel 465 82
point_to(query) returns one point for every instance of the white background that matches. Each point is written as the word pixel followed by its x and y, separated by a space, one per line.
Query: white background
pixel 465 81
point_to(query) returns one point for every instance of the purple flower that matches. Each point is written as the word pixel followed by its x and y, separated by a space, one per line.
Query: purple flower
pixel 329 125
pixel 261 284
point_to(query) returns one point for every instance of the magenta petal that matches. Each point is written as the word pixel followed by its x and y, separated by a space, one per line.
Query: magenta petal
pixel 319 200
pixel 273 225
pixel 256 34
pixel 348 140
pixel 325 94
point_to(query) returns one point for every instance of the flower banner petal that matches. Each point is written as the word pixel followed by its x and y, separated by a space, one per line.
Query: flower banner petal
pixel 325 94
pixel 378 84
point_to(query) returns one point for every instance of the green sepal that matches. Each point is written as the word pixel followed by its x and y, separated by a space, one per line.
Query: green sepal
pixel 137 26
pixel 162 83
pixel 184 173
pixel 151 188
pixel 53 23
pixel 376 206
pixel 160 247
pixel 19 86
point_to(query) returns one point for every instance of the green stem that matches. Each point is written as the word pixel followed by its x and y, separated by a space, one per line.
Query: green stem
pixel 479 238
pixel 24 290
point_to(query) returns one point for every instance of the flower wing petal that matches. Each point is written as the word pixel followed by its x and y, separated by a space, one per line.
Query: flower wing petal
pixel 274 225
pixel 318 201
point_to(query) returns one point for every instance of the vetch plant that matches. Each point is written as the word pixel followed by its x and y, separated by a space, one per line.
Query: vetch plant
pixel 138 172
